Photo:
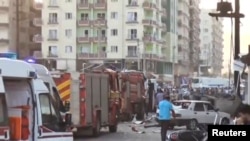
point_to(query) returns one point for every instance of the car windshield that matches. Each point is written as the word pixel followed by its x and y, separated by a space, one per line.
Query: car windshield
pixel 184 105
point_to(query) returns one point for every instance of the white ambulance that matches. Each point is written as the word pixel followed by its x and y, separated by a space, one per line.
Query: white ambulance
pixel 20 87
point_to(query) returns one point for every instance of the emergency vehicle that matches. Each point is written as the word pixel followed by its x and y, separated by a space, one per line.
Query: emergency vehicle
pixel 21 90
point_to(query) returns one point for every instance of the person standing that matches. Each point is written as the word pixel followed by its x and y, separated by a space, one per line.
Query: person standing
pixel 165 110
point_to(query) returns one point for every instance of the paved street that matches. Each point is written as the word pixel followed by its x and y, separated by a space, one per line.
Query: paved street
pixel 126 134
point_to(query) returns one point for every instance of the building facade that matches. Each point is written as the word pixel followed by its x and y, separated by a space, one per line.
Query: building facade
pixel 172 34
pixel 194 36
pixel 18 29
pixel 125 34
pixel 183 67
pixel 211 56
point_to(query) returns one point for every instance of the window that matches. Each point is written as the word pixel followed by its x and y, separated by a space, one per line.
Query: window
pixel 84 1
pixel 68 49
pixel 3 111
pixel 199 107
pixel 86 33
pixel 53 50
pixel 103 33
pixel 132 51
pixel 53 18
pixel 114 32
pixel 101 16
pixel 132 34
pixel 209 107
pixel 114 15
pixel 132 2
pixel 49 113
pixel 132 17
pixel 53 34
pixel 184 105
pixel 68 1
pixel 68 33
pixel 53 3
pixel 84 16
pixel 68 16
pixel 58 101
pixel 85 49
pixel 114 49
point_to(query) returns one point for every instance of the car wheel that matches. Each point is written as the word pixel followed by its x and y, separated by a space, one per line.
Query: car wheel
pixel 225 121
pixel 192 125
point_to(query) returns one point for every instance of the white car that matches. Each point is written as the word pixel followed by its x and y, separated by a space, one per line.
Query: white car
pixel 192 112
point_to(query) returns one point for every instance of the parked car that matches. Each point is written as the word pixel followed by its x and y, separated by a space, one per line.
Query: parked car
pixel 190 113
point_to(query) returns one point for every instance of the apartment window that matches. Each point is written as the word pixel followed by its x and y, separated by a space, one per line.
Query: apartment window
pixel 84 16
pixel 68 1
pixel 132 2
pixel 68 49
pixel 132 34
pixel 68 16
pixel 68 33
pixel 114 15
pixel 53 3
pixel 101 15
pixel 100 1
pixel 53 34
pixel 132 16
pixel 132 51
pixel 53 50
pixel 103 33
pixel 53 18
pixel 114 49
pixel 114 32
pixel 85 49
pixel 86 33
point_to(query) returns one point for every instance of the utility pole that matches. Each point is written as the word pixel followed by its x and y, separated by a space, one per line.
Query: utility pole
pixel 225 10
pixel 17 29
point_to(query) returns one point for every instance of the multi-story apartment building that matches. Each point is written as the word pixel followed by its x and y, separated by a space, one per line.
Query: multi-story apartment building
pixel 172 34
pixel 115 32
pixel 194 38
pixel 211 56
pixel 17 28
pixel 183 67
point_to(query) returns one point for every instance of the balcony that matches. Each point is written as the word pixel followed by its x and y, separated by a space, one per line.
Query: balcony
pixel 38 5
pixel 53 22
pixel 52 55
pixel 133 4
pixel 132 55
pixel 37 38
pixel 148 22
pixel 4 40
pixel 132 37
pixel 102 39
pixel 83 39
pixel 4 8
pixel 84 6
pixel 52 38
pixel 84 22
pixel 164 12
pixel 4 24
pixel 132 21
pixel 151 56
pixel 148 39
pixel 100 22
pixel 100 5
pixel 37 22
pixel 148 5
pixel 101 55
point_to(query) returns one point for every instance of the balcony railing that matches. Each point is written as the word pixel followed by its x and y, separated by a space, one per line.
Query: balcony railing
pixel 132 55
pixel 50 54
pixel 102 39
pixel 4 40
pixel 101 55
pixel 84 5
pixel 53 21
pixel 84 22
pixel 148 5
pixel 38 5
pixel 4 8
pixel 100 22
pixel 148 39
pixel 37 22
pixel 4 24
pixel 83 39
pixel 148 22
pixel 37 39
pixel 53 39
pixel 133 4
pixel 100 5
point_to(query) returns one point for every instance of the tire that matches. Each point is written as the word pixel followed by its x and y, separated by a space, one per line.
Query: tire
pixel 192 125
pixel 225 121
pixel 97 129
pixel 113 128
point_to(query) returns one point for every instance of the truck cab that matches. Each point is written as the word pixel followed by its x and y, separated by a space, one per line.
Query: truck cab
pixel 22 94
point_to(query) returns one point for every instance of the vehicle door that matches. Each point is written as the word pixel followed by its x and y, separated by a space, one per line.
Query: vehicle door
pixel 211 114
pixel 199 112
pixel 50 124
